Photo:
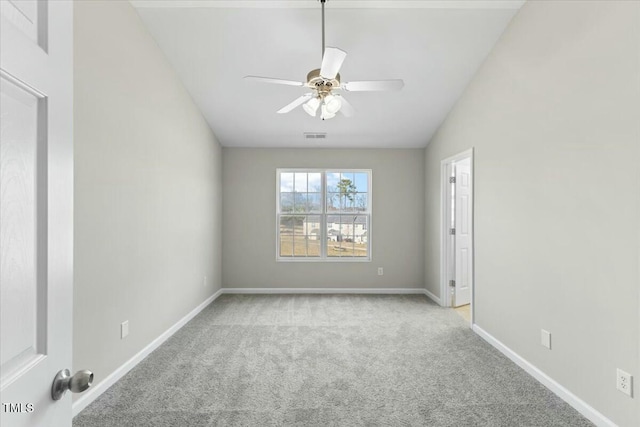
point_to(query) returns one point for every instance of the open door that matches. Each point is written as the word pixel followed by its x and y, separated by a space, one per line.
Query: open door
pixel 36 209
pixel 463 253
pixel 456 249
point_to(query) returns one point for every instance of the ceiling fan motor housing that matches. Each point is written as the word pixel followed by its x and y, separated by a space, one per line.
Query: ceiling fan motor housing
pixel 321 84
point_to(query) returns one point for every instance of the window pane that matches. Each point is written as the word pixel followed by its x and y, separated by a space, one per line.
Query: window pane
pixel 341 191
pixel 286 181
pixel 286 235
pixel 315 182
pixel 286 224
pixel 337 238
pixel 313 235
pixel 346 230
pixel 361 182
pixel 311 226
pixel 360 236
pixel 347 250
pixel 300 182
pixel 314 202
pixel 299 246
pixel 347 177
pixel 314 247
pixel 301 202
pixel 299 240
pixel 286 202
pixel 341 202
pixel 349 204
pixel 348 189
pixel 333 202
pixel 347 236
pixel 333 235
pixel 334 249
pixel 360 202
pixel 286 245
pixel 332 181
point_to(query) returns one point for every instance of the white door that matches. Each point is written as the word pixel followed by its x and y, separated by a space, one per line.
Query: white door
pixel 463 233
pixel 36 209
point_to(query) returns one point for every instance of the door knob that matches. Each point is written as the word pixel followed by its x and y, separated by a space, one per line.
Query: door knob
pixel 79 382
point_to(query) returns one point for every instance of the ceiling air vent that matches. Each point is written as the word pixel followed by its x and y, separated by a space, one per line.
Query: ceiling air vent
pixel 315 135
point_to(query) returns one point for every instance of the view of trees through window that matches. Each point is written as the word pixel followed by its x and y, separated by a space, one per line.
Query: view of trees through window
pixel 323 214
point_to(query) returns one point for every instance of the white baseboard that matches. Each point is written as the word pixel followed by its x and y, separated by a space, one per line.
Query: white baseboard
pixel 578 404
pixel 323 290
pixel 432 297
pixel 92 394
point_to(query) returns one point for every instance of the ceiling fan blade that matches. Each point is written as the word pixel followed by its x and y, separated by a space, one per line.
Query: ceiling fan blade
pixel 276 81
pixel 331 62
pixel 346 109
pixel 295 103
pixel 373 85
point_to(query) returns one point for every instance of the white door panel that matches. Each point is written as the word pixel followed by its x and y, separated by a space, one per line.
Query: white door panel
pixel 23 14
pixel 36 209
pixel 21 339
pixel 463 237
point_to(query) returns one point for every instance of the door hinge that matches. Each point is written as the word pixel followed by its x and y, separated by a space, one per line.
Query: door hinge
pixel 452 283
pixel 452 231
pixel 452 179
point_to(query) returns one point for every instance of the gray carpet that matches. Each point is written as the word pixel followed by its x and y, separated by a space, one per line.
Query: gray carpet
pixel 327 360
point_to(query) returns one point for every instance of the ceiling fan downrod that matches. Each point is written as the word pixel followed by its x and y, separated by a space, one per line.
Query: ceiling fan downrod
pixel 322 2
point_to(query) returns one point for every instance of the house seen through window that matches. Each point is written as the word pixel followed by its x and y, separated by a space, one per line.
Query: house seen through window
pixel 323 214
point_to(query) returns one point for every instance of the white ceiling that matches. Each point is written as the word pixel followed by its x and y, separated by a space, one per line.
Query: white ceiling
pixel 435 46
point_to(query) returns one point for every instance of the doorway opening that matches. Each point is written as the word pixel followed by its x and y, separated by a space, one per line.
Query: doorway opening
pixel 456 249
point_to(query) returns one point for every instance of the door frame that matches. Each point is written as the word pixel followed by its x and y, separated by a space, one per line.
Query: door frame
pixel 446 260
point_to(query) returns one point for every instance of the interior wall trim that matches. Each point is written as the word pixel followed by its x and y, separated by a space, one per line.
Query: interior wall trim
pixel 323 290
pixel 93 393
pixel 344 4
pixel 433 297
pixel 578 404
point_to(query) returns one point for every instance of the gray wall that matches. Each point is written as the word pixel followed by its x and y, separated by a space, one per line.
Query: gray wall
pixel 147 191
pixel 249 236
pixel 554 116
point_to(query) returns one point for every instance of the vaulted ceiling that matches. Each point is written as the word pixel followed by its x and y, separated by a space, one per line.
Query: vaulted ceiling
pixel 434 46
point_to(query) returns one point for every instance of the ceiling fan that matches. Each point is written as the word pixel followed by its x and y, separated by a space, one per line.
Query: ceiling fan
pixel 324 81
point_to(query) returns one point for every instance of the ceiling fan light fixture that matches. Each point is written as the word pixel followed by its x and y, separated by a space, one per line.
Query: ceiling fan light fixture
pixel 312 106
pixel 332 104
pixel 325 114
pixel 322 81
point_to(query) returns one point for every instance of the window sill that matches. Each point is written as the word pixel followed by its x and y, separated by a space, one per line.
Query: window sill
pixel 326 260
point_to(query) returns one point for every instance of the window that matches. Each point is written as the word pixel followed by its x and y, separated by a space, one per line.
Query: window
pixel 323 215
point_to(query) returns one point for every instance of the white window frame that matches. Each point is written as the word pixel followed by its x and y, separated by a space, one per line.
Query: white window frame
pixel 324 214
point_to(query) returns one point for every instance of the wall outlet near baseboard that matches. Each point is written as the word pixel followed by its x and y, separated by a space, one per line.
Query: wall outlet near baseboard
pixel 124 329
pixel 545 338
pixel 624 382
pixel 380 271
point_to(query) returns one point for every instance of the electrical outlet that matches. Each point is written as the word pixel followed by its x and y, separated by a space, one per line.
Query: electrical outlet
pixel 204 281
pixel 545 338
pixel 624 382
pixel 124 329
pixel 380 271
